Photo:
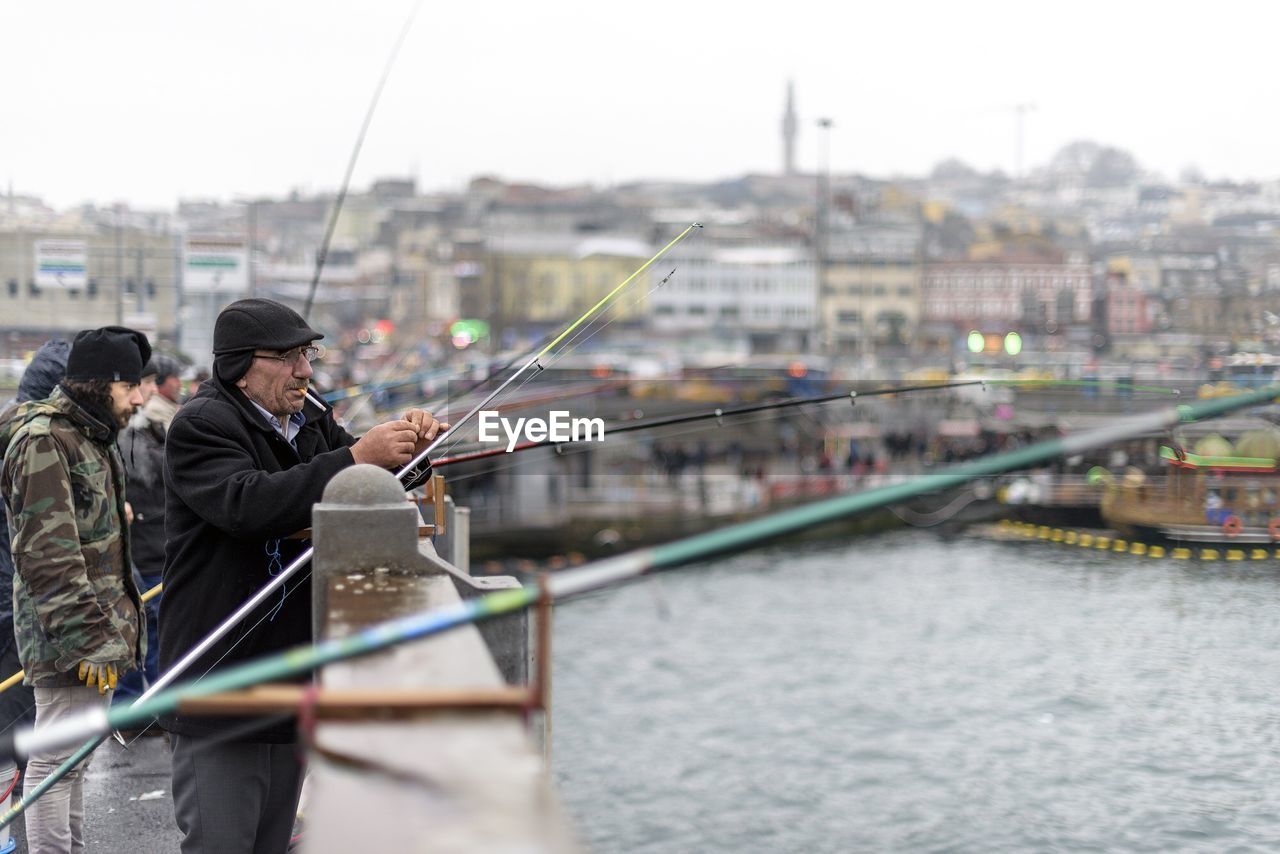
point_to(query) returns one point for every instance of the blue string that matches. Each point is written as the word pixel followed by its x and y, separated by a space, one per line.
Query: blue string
pixel 274 568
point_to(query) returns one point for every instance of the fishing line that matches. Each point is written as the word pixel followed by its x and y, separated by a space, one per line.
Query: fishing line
pixel 572 448
pixel 268 614
pixel 410 468
pixel 686 249
pixel 615 570
pixel 569 347
pixel 164 679
pixel 934 517
pixel 535 360
pixel 772 412
pixel 349 416
pixel 323 253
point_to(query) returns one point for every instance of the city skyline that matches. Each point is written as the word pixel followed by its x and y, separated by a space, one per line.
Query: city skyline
pixel 159 101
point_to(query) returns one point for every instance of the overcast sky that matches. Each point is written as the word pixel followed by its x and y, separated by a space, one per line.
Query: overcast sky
pixel 151 100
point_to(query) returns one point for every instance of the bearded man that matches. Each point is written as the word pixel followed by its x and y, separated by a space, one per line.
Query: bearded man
pixel 78 617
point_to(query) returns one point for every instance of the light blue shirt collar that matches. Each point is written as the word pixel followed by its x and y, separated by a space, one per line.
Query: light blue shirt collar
pixel 289 429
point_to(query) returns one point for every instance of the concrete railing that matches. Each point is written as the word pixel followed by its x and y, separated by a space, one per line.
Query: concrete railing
pixel 445 779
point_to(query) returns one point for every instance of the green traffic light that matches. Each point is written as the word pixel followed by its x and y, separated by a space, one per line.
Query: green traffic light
pixel 1013 343
pixel 976 341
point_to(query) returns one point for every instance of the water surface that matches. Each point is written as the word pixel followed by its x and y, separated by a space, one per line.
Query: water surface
pixel 906 693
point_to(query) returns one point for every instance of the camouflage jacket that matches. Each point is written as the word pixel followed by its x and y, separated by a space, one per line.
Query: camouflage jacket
pixel 74 597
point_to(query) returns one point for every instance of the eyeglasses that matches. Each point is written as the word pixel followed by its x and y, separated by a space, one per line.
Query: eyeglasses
pixel 291 357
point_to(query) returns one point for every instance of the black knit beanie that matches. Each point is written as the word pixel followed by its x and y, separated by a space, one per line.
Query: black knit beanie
pixel 112 353
pixel 249 324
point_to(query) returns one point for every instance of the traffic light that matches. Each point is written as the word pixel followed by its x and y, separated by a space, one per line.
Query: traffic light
pixel 993 342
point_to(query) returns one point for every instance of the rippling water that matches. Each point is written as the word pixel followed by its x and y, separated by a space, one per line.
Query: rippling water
pixel 908 693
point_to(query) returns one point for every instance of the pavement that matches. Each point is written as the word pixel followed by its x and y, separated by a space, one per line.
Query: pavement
pixel 127 802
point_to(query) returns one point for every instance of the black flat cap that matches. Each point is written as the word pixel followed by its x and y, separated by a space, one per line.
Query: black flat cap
pixel 248 324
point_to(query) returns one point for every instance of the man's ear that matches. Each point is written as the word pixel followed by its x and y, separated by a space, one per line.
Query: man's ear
pixel 243 382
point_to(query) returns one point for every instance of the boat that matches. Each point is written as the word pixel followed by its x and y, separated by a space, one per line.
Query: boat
pixel 1230 498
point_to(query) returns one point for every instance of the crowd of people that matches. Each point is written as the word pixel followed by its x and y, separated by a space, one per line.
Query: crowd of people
pixel 113 483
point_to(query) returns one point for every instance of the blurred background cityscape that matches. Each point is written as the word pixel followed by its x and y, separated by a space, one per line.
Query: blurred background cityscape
pixel 1083 260
pixel 1065 214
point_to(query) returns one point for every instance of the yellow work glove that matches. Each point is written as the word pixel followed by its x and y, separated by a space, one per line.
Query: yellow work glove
pixel 102 675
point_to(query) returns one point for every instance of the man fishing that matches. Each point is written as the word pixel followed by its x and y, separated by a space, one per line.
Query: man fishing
pixel 245 460
pixel 77 613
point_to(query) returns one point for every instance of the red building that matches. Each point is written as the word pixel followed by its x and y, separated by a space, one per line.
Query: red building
pixel 1004 294
pixel 1129 310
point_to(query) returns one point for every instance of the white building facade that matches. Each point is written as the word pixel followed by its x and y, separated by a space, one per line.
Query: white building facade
pixel 765 295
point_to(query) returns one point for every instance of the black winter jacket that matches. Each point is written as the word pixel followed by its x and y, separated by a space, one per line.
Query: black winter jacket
pixel 142 449
pixel 234 491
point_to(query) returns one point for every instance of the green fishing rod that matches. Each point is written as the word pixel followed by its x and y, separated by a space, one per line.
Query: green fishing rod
pixel 94 723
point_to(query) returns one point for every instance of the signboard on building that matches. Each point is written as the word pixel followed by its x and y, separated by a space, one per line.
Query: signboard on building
pixel 215 265
pixel 62 263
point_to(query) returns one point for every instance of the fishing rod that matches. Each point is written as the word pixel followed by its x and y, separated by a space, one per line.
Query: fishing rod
pixel 573 343
pixel 605 573
pixel 409 469
pixel 323 253
pixel 338 395
pixel 716 414
pixel 719 413
pixel 321 257
pixel 1030 384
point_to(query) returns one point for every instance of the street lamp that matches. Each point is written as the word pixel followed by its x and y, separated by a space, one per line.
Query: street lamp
pixel 824 192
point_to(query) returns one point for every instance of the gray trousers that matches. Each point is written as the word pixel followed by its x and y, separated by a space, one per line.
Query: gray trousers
pixel 234 797
pixel 55 822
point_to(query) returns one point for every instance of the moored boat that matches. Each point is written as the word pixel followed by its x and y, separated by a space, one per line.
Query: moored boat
pixel 1213 497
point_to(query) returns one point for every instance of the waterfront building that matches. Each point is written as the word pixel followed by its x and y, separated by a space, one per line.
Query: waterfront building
pixel 56 280
pixel 870 296
pixel 527 283
pixel 763 296
pixel 1032 296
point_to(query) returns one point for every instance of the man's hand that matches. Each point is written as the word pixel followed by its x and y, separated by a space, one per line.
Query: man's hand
pixel 397 442
pixel 387 445
pixel 428 427
pixel 128 513
pixel 102 675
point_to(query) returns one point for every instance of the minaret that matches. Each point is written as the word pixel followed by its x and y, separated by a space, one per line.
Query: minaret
pixel 789 132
